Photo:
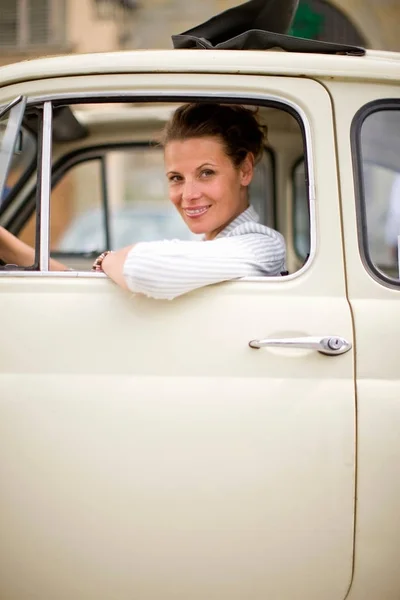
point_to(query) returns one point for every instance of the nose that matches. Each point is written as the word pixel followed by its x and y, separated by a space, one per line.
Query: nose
pixel 190 190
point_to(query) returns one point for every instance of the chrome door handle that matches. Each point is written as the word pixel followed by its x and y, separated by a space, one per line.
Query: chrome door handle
pixel 328 344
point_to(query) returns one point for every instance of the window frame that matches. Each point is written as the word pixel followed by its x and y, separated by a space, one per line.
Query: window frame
pixel 380 105
pixel 273 101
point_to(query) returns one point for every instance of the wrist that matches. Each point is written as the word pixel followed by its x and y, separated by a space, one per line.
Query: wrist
pixel 98 263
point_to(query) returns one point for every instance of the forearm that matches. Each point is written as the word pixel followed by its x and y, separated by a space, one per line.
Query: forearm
pixel 113 266
pixel 15 252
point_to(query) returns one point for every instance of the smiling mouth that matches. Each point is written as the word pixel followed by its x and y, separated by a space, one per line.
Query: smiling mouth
pixel 196 212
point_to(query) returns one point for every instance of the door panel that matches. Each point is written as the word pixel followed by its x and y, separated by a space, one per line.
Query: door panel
pixel 149 452
pixel 175 449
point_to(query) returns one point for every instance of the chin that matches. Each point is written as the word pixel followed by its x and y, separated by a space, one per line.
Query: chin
pixel 197 228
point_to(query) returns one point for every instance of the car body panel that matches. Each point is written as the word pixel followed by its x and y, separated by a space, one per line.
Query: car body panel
pixel 147 449
pixel 376 312
pixel 374 65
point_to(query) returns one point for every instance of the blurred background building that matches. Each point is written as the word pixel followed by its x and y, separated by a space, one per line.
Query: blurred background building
pixel 31 28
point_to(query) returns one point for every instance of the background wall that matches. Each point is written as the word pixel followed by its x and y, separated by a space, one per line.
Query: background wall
pixel 31 28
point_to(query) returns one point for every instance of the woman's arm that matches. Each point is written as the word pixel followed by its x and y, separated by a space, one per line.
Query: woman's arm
pixel 167 269
pixel 113 265
pixel 15 252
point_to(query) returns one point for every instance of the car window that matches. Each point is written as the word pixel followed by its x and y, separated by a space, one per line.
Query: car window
pixel 109 189
pixel 379 154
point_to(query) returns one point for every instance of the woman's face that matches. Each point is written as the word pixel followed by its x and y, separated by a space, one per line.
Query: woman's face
pixel 204 185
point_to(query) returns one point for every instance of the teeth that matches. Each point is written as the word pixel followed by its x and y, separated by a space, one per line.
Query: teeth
pixel 196 211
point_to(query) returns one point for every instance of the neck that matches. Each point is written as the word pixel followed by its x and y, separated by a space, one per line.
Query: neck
pixel 213 234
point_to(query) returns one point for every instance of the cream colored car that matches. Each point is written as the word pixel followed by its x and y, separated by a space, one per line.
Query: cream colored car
pixel 241 442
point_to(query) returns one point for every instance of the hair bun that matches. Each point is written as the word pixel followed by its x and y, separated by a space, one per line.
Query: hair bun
pixel 237 127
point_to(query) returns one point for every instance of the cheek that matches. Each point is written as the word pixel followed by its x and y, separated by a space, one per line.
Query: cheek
pixel 174 196
pixel 226 191
pixel 217 190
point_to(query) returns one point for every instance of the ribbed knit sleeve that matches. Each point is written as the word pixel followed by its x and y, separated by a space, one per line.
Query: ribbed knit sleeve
pixel 167 269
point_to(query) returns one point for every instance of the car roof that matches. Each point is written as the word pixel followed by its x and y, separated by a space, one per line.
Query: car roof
pixel 374 65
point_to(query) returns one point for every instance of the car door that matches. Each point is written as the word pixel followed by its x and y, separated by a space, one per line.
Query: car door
pixel 369 118
pixel 147 450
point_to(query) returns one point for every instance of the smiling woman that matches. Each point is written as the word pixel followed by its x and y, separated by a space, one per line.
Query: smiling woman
pixel 210 152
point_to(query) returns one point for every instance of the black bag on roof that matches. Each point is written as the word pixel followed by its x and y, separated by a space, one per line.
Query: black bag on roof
pixel 256 25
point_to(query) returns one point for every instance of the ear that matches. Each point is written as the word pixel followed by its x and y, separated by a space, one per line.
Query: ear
pixel 247 169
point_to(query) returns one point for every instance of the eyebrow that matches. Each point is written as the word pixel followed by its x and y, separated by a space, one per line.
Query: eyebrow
pixel 210 164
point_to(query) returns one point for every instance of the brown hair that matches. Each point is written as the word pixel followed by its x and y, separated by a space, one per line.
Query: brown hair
pixel 236 126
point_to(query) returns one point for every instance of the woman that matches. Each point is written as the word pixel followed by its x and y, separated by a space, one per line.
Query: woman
pixel 210 151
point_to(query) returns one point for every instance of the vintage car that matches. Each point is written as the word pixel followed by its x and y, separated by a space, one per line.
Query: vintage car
pixel 240 442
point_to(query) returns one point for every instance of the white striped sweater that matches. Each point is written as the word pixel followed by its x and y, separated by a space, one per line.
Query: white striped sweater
pixel 169 268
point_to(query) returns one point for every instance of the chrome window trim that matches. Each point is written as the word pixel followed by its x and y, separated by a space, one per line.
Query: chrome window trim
pixel 45 187
pixel 10 105
pixel 183 96
pixel 69 274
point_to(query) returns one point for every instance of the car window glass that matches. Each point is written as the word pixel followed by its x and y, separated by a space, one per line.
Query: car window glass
pixel 380 154
pixel 109 188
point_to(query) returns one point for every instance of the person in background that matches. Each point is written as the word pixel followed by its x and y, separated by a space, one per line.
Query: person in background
pixel 210 151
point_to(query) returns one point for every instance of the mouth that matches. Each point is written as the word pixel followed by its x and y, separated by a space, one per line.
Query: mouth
pixel 196 212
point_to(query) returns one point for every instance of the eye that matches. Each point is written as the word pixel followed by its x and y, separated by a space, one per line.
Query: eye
pixel 174 178
pixel 207 173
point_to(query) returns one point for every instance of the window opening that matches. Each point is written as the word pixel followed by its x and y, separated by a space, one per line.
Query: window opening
pixel 377 139
pixel 109 188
